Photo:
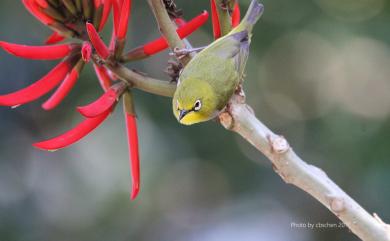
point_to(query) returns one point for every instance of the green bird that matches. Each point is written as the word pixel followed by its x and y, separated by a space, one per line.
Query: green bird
pixel 209 80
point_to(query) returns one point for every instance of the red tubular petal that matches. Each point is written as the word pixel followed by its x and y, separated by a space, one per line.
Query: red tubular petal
pixel 124 19
pixel 132 137
pixel 111 47
pixel 155 46
pixel 215 20
pixel 54 38
pixel 74 135
pixel 160 44
pixel 116 5
pixel 34 9
pixel 38 89
pixel 106 13
pixel 101 105
pixel 236 15
pixel 104 103
pixel 37 52
pixel 42 3
pixel 193 25
pixel 97 3
pixel 97 42
pixel 62 91
pixel 103 76
pixel 117 15
pixel 86 51
pixel 180 22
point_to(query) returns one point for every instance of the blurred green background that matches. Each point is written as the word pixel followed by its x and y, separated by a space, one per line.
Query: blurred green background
pixel 318 74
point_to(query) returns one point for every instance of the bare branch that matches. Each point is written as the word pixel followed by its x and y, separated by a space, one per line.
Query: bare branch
pixel 136 79
pixel 142 82
pixel 240 118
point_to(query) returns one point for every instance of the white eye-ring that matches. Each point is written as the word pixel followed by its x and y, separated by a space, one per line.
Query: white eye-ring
pixel 198 105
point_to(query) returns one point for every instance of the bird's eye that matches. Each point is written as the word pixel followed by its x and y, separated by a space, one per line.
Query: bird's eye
pixel 177 104
pixel 198 105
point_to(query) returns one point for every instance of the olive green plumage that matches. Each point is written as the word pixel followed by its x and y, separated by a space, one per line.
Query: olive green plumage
pixel 211 77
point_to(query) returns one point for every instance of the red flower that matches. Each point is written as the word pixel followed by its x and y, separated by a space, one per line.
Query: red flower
pixel 72 20
pixel 65 87
pixel 123 20
pixel 86 51
pixel 97 42
pixel 215 20
pixel 54 38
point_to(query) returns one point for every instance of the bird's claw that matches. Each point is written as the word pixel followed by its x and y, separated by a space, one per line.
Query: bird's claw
pixel 174 69
pixel 180 53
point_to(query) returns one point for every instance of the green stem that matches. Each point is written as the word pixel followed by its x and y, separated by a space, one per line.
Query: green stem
pixel 225 8
pixel 142 82
pixel 128 103
pixel 168 28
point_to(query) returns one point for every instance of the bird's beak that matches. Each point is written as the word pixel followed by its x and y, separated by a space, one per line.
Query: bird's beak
pixel 182 113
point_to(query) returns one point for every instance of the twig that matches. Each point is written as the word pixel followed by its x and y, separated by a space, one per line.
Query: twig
pixel 240 118
pixel 167 28
pixel 137 80
pixel 142 82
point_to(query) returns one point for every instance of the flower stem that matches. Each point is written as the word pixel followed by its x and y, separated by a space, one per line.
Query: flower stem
pixel 142 82
pixel 168 28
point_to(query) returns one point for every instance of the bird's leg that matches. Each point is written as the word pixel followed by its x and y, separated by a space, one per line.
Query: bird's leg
pixel 179 53
pixel 227 5
pixel 172 9
pixel 224 5
pixel 239 94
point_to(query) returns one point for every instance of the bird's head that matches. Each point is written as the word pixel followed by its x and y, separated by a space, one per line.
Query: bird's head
pixel 194 101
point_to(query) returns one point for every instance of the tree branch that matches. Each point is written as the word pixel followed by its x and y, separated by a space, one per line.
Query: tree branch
pixel 142 82
pixel 137 80
pixel 239 117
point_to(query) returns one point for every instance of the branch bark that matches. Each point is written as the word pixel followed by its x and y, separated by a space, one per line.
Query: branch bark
pixel 239 117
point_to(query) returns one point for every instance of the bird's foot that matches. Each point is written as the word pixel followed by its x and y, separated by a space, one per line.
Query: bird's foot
pixel 172 9
pixel 240 94
pixel 180 53
pixel 227 5
pixel 174 69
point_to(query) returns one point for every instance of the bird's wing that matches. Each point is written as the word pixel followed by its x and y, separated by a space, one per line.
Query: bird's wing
pixel 234 46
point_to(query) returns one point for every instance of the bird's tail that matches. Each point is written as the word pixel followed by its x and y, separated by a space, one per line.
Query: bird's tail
pixel 252 15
